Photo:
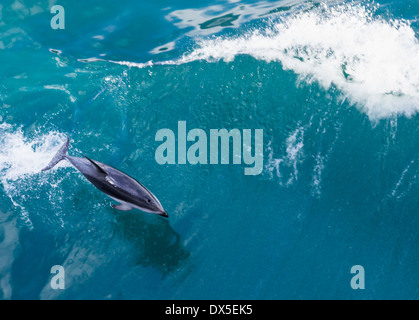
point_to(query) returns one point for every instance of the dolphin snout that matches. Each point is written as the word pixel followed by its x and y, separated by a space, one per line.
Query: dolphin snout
pixel 164 214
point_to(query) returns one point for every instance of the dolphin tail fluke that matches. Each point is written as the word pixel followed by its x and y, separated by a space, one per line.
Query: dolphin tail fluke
pixel 60 155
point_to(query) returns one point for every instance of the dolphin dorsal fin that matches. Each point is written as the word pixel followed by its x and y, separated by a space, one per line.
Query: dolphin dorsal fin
pixel 96 166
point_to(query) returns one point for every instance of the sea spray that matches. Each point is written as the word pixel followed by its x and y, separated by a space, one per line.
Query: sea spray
pixel 22 158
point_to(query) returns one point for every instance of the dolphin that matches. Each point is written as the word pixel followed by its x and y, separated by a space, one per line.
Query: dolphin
pixel 119 186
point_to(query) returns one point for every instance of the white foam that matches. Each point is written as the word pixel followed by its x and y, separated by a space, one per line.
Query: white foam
pixel 402 184
pixel 286 167
pixel 22 158
pixel 61 88
pixel 373 61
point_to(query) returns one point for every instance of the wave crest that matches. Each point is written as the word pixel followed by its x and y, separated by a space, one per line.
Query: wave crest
pixel 374 62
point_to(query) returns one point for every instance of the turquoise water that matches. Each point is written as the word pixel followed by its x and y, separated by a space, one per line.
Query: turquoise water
pixel 334 87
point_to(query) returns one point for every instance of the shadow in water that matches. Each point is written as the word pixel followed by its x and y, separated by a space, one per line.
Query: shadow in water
pixel 224 21
pixel 156 243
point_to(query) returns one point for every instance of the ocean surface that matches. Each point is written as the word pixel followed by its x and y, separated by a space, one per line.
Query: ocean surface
pixel 335 87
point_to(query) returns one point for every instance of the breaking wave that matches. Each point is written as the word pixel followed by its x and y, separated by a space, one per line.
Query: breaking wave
pixel 372 60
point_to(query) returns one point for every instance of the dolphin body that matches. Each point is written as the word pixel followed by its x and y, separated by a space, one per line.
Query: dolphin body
pixel 114 183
